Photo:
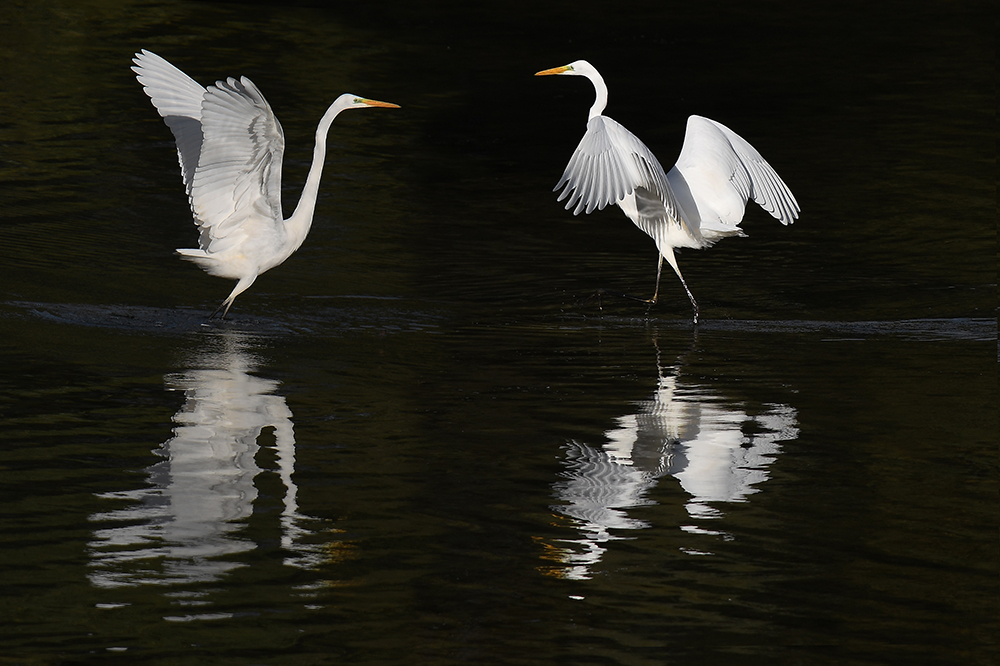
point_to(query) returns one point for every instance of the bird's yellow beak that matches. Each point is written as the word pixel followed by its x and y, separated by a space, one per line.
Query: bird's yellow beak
pixel 554 70
pixel 372 102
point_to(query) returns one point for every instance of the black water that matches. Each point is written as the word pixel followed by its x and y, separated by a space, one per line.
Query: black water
pixel 418 441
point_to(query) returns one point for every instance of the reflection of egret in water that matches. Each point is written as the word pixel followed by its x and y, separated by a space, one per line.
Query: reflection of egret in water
pixel 718 452
pixel 190 516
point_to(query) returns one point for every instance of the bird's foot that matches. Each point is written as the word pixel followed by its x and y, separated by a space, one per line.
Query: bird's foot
pixel 223 307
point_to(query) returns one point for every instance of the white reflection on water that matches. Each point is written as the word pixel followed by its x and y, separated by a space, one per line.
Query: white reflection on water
pixel 191 515
pixel 716 451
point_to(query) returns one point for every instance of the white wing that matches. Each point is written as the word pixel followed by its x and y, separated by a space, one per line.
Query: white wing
pixel 238 179
pixel 609 164
pixel 178 99
pixel 718 172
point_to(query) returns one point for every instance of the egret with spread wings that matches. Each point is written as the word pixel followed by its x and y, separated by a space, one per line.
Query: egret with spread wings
pixel 230 147
pixel 700 200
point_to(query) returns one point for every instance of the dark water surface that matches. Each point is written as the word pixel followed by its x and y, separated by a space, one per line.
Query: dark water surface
pixel 418 441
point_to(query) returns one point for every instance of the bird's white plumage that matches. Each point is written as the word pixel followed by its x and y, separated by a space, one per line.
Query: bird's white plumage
pixel 230 146
pixel 700 200
pixel 236 192
pixel 609 163
pixel 178 98
pixel 722 171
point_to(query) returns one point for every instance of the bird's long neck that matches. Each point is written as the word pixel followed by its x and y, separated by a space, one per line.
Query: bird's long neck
pixel 602 92
pixel 297 226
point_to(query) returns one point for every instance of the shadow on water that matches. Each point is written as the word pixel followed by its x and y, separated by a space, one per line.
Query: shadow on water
pixel 323 317
pixel 360 314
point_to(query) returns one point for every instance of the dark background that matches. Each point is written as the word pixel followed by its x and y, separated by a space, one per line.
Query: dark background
pixel 433 342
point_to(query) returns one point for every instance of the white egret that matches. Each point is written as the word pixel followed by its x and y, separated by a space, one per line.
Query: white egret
pixel 230 147
pixel 700 200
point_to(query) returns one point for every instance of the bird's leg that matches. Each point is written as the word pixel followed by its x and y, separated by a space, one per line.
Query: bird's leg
pixel 656 292
pixel 227 303
pixel 240 287
pixel 673 262
pixel 694 303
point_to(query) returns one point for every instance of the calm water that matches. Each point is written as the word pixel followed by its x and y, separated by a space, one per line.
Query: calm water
pixel 418 441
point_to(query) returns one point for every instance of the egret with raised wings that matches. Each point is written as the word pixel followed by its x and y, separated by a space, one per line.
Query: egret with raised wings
pixel 700 200
pixel 230 147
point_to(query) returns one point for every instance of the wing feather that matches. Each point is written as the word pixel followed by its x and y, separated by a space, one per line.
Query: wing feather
pixel 609 164
pixel 238 179
pixel 723 171
pixel 177 97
